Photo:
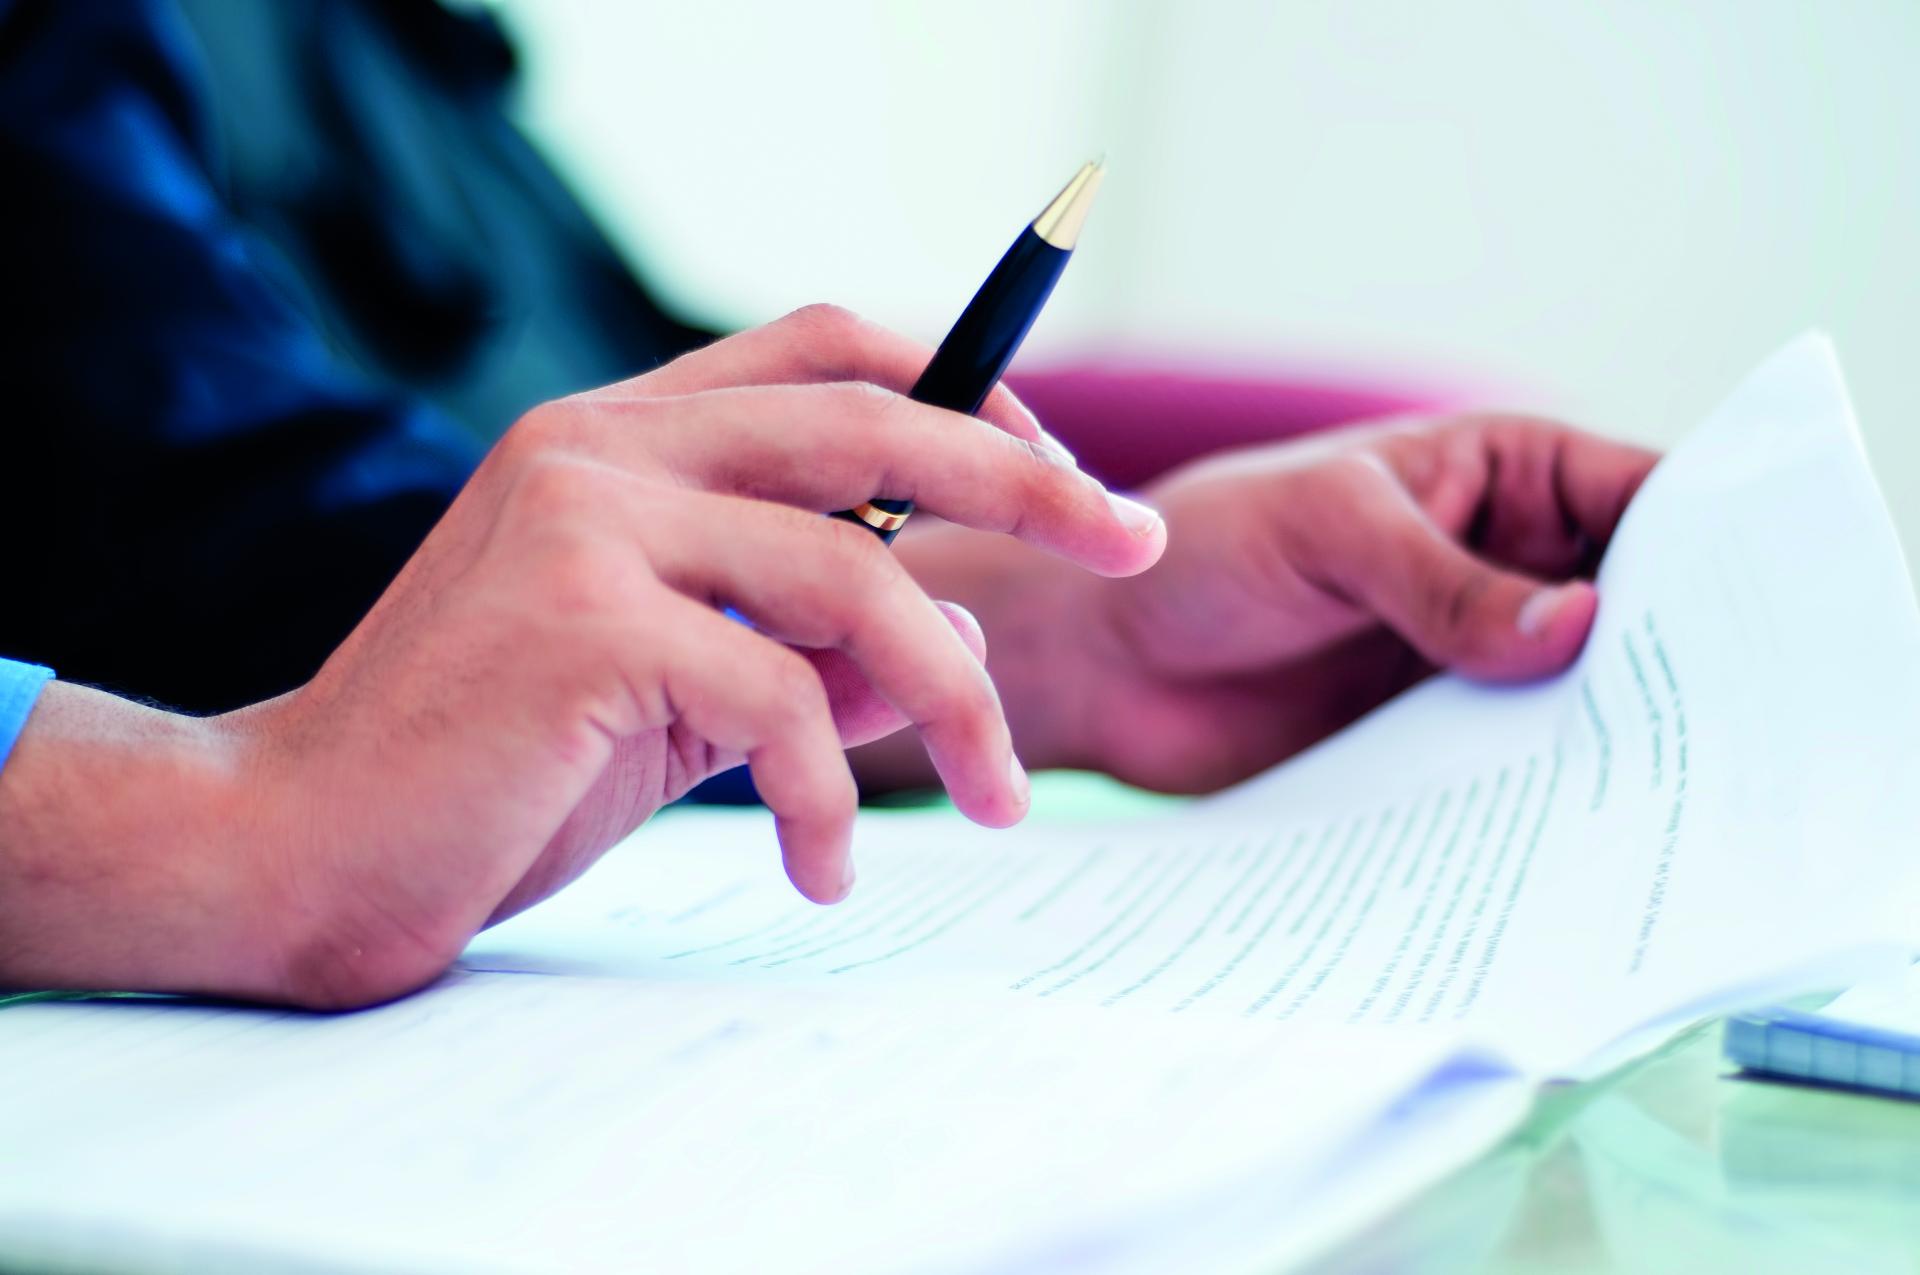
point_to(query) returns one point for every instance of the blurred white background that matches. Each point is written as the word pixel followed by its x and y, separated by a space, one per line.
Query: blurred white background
pixel 1604 211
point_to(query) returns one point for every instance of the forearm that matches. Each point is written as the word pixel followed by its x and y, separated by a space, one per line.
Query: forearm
pixel 1130 423
pixel 117 824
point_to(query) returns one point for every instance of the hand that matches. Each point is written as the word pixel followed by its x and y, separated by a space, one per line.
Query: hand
pixel 1304 583
pixel 553 665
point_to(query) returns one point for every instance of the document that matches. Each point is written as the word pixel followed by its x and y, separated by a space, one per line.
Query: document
pixel 1216 1039
pixel 1888 1004
pixel 514 1123
pixel 1717 802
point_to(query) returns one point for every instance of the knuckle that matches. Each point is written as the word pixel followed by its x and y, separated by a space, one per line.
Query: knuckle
pixel 586 426
pixel 1459 602
pixel 963 696
pixel 553 490
pixel 1046 482
pixel 832 802
pixel 1045 467
pixel 1356 470
pixel 793 692
pixel 872 425
pixel 817 801
pixel 828 334
pixel 867 402
pixel 823 316
pixel 839 799
pixel 548 428
pixel 859 560
pixel 579 566
pixel 1036 458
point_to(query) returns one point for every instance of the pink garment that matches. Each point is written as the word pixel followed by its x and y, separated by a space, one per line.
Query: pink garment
pixel 1127 424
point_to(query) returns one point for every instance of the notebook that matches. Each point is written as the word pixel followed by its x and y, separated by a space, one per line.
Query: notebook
pixel 1868 1038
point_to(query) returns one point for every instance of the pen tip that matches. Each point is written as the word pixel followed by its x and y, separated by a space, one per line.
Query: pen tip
pixel 1059 223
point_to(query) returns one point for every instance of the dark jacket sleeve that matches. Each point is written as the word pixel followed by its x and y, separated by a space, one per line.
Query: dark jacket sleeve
pixel 199 499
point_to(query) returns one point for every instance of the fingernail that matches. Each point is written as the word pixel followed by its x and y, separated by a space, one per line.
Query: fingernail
pixel 1133 515
pixel 846 877
pixel 1017 776
pixel 1537 611
pixel 1057 446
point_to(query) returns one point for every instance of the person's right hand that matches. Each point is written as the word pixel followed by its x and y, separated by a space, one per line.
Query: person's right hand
pixel 554 664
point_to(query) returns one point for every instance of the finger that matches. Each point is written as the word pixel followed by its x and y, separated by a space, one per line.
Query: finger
pixel 1552 495
pixel 826 447
pixel 862 714
pixel 1597 478
pixel 742 693
pixel 821 343
pixel 1457 610
pixel 817 583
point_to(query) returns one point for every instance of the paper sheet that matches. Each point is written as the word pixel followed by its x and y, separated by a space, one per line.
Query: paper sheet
pixel 1056 1048
pixel 1715 806
pixel 1891 1004
pixel 512 1122
pixel 1734 762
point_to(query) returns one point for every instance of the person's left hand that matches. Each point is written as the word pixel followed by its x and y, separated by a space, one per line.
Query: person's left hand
pixel 1303 584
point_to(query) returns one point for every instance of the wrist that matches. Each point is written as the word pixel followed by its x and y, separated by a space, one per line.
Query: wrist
pixel 125 856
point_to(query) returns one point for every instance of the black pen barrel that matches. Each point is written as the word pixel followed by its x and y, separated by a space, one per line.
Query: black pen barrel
pixel 975 354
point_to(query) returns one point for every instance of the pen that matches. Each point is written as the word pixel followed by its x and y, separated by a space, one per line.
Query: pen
pixel 976 352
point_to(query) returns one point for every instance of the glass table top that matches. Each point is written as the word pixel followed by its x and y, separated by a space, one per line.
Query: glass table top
pixel 1677 1162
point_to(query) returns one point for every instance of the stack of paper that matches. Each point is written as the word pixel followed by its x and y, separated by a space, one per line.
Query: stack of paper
pixel 1211 1041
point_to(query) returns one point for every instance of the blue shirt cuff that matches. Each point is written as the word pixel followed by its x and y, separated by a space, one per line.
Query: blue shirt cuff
pixel 19 687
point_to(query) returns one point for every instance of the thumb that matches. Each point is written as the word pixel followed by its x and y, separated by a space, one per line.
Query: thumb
pixel 1460 611
pixel 859 712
